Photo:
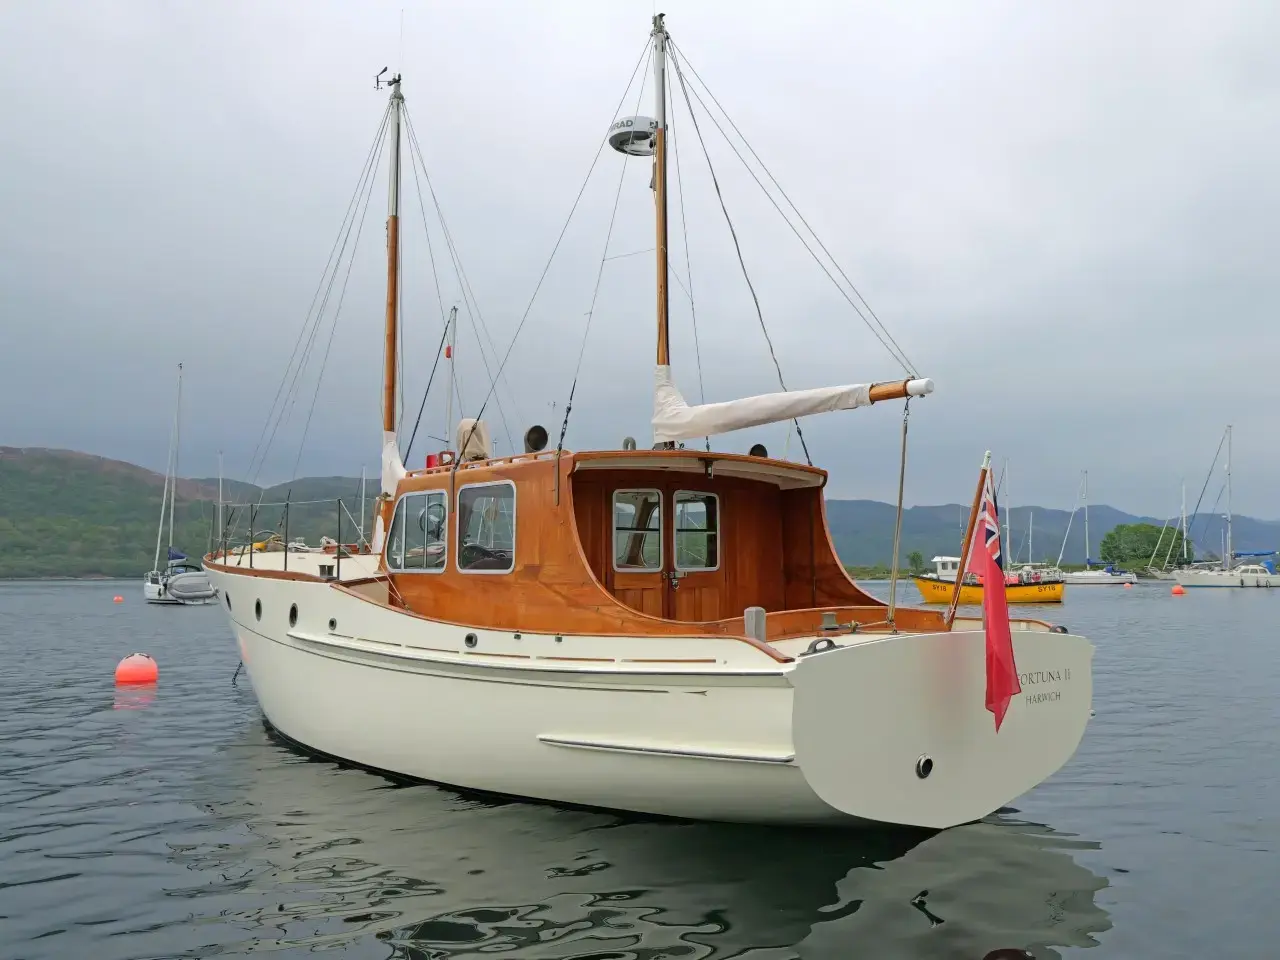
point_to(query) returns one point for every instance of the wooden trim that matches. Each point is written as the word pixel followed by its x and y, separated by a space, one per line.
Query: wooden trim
pixel 690 632
pixel 263 574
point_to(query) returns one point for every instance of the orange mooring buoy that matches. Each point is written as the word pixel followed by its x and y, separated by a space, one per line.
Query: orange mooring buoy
pixel 1178 590
pixel 1128 586
pixel 137 668
pixel 117 599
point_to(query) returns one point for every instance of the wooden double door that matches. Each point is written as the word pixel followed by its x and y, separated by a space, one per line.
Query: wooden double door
pixel 665 553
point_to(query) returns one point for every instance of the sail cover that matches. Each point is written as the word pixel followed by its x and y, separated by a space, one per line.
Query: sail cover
pixel 674 419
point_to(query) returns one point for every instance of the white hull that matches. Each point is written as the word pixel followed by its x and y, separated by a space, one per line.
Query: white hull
pixel 1099 578
pixel 1222 578
pixel 730 735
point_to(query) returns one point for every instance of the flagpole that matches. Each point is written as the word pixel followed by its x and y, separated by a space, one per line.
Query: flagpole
pixel 968 538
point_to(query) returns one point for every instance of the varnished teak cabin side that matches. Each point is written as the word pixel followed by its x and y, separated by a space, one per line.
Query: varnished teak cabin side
pixel 775 552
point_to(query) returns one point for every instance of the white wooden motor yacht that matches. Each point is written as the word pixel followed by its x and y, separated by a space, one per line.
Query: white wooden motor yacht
pixel 665 631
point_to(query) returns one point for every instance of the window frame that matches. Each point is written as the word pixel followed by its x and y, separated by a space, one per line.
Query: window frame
pixel 402 504
pixel 458 529
pixel 675 532
pixel 613 531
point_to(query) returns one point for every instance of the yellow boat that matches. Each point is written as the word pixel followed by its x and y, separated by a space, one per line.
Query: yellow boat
pixel 1032 585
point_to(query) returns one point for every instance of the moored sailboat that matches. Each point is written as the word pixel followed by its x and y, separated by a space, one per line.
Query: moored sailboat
pixel 665 631
pixel 180 581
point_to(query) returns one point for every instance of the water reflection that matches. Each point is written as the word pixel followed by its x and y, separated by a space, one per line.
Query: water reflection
pixel 415 872
pixel 133 697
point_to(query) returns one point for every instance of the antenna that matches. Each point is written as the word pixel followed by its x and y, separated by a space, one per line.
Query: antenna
pixel 379 83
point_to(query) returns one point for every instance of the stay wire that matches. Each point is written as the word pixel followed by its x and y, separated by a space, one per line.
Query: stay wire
pixel 595 294
pixel 559 239
pixel 332 266
pixel 737 248
pixel 1195 513
pixel 250 473
pixel 468 294
pixel 688 266
pixel 887 340
pixel 333 327
pixel 439 351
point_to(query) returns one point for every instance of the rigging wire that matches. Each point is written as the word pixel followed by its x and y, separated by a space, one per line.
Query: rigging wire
pixel 333 327
pixel 287 398
pixel 604 257
pixel 1195 513
pixel 468 294
pixel 370 159
pixel 439 350
pixel 559 239
pixel 883 335
pixel 688 267
pixel 738 249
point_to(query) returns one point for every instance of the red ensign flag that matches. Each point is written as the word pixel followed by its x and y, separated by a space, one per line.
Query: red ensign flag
pixel 986 561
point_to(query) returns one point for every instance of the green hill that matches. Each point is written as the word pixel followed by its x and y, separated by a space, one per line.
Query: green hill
pixel 68 514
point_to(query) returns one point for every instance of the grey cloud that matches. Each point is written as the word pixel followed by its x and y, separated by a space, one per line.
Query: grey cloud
pixel 1064 212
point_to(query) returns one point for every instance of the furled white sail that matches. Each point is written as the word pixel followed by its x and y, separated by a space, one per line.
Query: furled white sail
pixel 674 419
pixel 393 472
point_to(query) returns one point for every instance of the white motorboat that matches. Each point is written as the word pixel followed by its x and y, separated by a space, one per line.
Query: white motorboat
pixel 665 631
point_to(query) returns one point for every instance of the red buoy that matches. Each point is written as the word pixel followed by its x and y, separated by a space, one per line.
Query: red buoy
pixel 1178 590
pixel 1128 586
pixel 117 599
pixel 137 668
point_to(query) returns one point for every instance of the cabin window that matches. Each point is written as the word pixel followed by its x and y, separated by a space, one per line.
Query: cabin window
pixel 637 530
pixel 697 531
pixel 417 538
pixel 487 527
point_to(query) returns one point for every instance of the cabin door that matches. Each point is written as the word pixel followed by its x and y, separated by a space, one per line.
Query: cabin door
pixel 693 569
pixel 638 550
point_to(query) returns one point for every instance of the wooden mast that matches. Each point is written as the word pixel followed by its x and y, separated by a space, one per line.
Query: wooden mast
pixel 660 181
pixel 393 279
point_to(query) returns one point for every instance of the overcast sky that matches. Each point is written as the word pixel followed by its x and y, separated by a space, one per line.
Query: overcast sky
pixel 1065 213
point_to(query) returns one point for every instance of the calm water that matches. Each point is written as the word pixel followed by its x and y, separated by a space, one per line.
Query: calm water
pixel 171 825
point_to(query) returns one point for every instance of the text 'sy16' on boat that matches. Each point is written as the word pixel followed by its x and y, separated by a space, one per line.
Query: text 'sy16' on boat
pixel 665 631
pixel 1034 583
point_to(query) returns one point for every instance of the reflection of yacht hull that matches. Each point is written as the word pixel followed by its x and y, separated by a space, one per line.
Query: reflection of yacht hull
pixel 352 856
pixel 936 590
pixel 1222 578
pixel 833 737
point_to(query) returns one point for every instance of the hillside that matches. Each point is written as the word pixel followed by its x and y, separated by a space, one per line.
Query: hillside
pixel 68 514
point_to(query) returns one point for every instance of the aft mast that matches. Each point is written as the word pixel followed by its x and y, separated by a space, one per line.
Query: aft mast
pixel 660 188
pixel 660 181
pixel 392 467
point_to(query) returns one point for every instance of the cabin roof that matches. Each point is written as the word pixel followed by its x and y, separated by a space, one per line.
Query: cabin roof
pixel 784 474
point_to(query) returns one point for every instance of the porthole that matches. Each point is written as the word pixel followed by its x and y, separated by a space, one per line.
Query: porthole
pixel 924 767
pixel 333 625
pixel 257 609
pixel 471 640
pixel 293 615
